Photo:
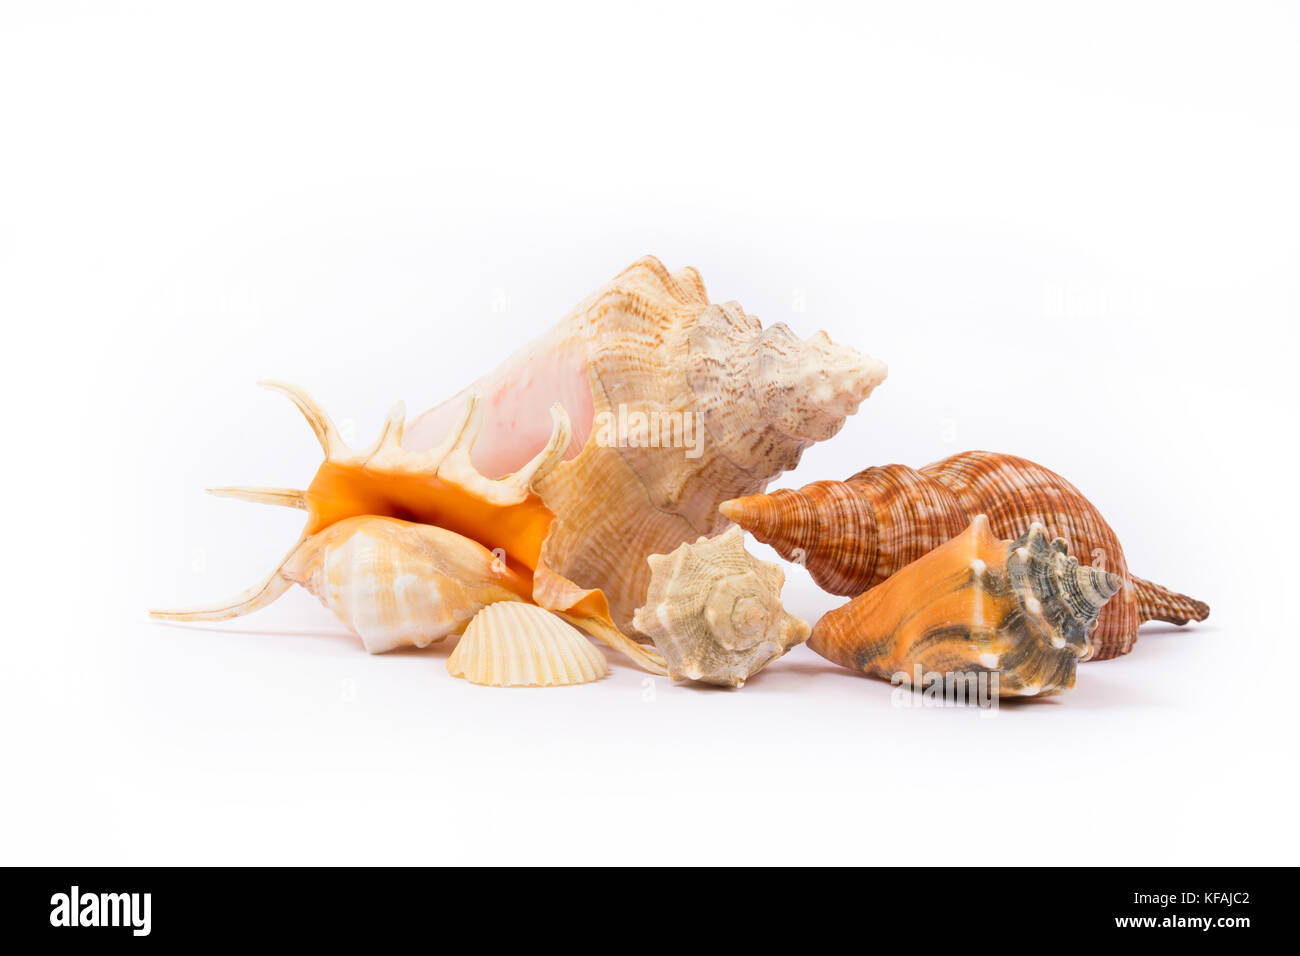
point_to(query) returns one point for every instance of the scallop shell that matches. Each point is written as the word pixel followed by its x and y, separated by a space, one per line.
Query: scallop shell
pixel 714 611
pixel 521 645
pixel 852 535
pixel 1021 609
pixel 677 404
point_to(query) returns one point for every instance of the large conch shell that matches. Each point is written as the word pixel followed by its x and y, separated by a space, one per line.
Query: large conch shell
pixel 852 535
pixel 677 405
pixel 714 611
pixel 407 547
pixel 1019 609
pixel 511 644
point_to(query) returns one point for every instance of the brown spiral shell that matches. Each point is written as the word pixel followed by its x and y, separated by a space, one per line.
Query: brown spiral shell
pixel 852 535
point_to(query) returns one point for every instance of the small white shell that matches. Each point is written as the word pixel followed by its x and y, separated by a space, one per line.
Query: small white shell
pixel 512 644
pixel 714 611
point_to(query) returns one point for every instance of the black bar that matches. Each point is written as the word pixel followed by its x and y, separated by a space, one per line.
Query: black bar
pixel 911 905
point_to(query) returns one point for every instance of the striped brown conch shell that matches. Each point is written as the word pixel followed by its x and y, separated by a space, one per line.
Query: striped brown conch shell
pixel 677 405
pixel 851 535
pixel 1019 609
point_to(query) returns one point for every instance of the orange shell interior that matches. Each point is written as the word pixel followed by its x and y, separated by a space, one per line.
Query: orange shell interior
pixel 347 490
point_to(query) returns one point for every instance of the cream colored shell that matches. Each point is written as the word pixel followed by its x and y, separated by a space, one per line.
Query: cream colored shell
pixel 714 611
pixel 399 584
pixel 513 644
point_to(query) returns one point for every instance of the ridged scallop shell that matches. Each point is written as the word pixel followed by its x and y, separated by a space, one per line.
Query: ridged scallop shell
pixel 649 350
pixel 852 535
pixel 521 645
pixel 1022 609
pixel 714 611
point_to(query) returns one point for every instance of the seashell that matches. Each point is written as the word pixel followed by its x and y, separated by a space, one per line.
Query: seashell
pixel 512 644
pixel 852 535
pixel 400 584
pixel 1021 609
pixel 714 611
pixel 677 405
pixel 406 547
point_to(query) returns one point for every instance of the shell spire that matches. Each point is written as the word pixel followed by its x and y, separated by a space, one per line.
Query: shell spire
pixel 1156 603
pixel 1050 584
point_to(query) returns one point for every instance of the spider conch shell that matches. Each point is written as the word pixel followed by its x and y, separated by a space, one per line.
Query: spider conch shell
pixel 851 535
pixel 407 547
pixel 1019 609
pixel 714 611
pixel 677 405
pixel 521 645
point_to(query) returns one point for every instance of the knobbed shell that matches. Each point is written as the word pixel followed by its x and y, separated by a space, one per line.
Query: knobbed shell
pixel 678 404
pixel 521 645
pixel 1021 609
pixel 714 611
pixel 852 535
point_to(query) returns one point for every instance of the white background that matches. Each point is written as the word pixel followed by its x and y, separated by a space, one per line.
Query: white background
pixel 1071 231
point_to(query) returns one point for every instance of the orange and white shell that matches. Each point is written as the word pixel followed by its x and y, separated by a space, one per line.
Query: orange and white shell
pixel 407 547
pixel 1022 610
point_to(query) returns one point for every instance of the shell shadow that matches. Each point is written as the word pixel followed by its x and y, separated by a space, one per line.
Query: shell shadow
pixel 1167 630
pixel 260 632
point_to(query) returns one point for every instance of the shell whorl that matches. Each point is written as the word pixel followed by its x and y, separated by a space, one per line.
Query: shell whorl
pixel 1051 585
pixel 714 611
